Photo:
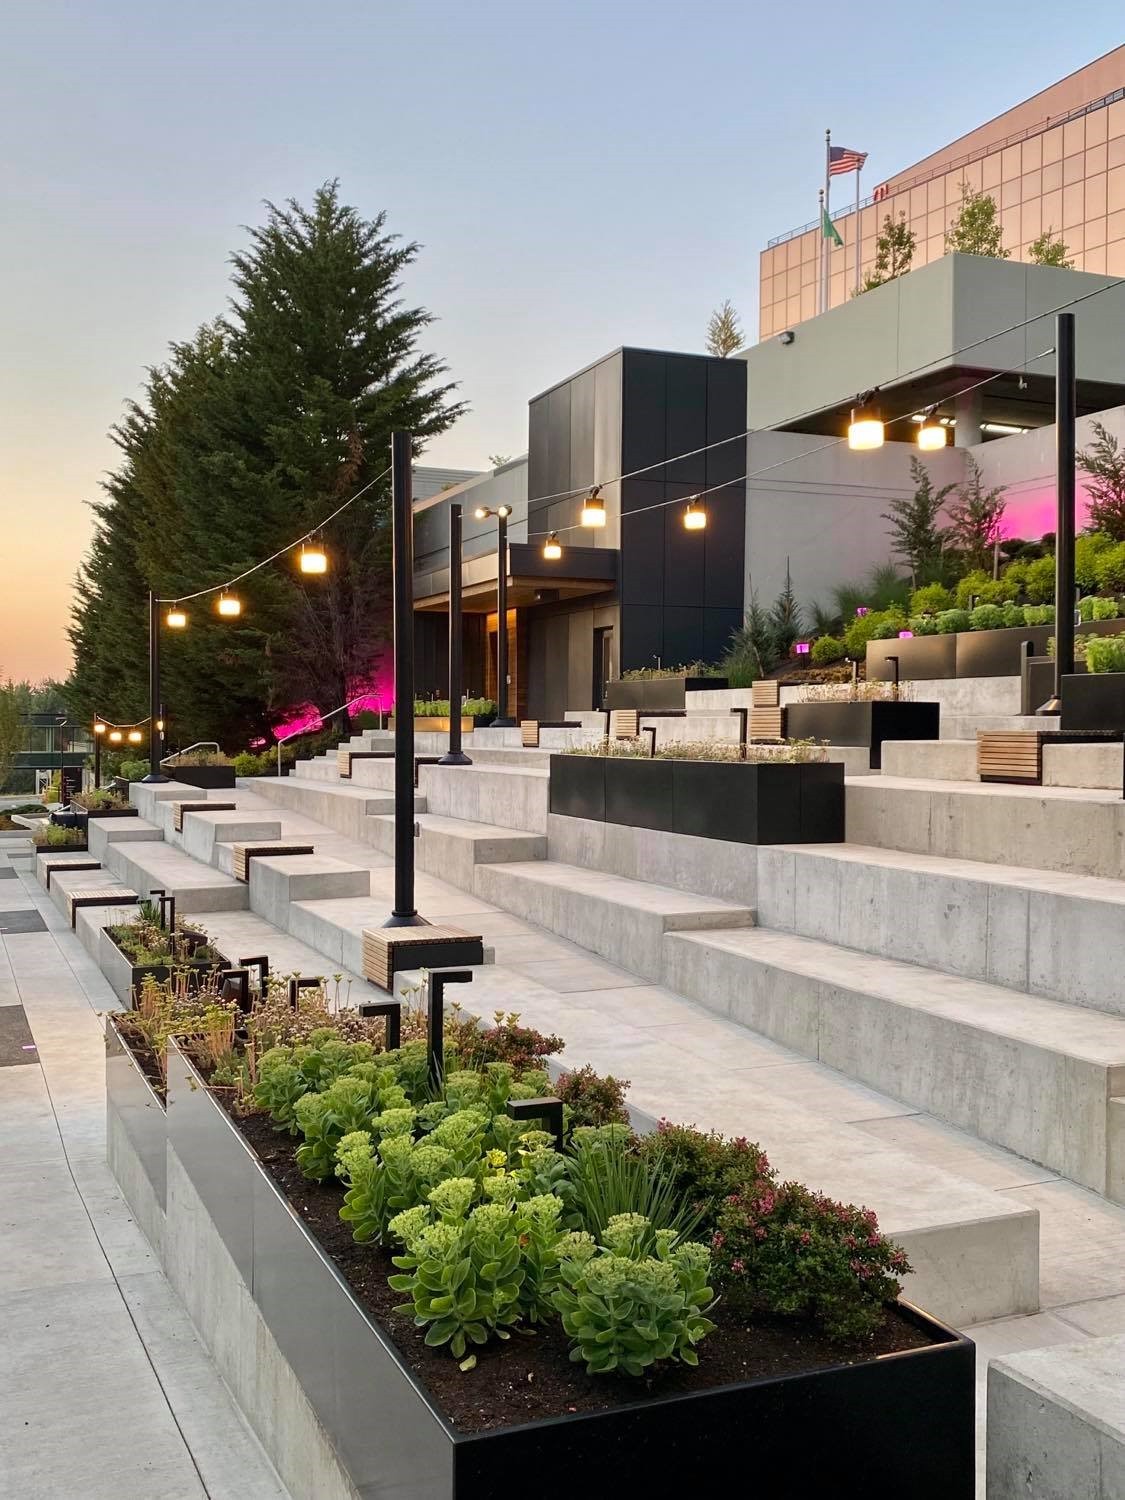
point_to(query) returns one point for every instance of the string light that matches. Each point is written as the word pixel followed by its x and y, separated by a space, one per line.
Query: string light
pixel 865 431
pixel 229 605
pixel 695 517
pixel 176 618
pixel 99 727
pixel 135 736
pixel 313 559
pixel 931 434
pixel 552 547
pixel 593 509
pixel 116 736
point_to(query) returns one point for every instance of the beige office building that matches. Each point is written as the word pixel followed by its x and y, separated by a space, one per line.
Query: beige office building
pixel 1056 161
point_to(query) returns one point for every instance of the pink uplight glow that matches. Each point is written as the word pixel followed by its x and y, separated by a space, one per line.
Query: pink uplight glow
pixel 802 648
pixel 906 635
pixel 374 693
pixel 1034 512
pixel 860 611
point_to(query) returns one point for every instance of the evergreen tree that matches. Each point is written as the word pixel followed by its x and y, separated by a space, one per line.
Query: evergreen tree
pixel 11 728
pixel 724 332
pixel 251 434
pixel 1104 463
pixel 785 619
pixel 1049 251
pixel 974 518
pixel 916 535
pixel 894 251
pixel 976 229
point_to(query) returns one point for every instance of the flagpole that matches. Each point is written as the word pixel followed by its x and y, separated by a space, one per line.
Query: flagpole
pixel 820 268
pixel 858 169
pixel 824 244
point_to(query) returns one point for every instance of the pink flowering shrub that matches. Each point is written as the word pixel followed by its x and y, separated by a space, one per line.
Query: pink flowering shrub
pixel 783 1249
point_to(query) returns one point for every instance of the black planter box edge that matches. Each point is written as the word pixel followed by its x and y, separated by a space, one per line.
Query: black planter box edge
pixel 1093 700
pixel 138 1106
pixel 207 778
pixel 920 1400
pixel 160 972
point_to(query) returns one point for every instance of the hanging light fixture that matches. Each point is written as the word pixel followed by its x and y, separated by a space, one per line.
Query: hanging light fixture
pixel 931 434
pixel 115 736
pixel 552 547
pixel 229 605
pixel 99 727
pixel 176 618
pixel 593 508
pixel 695 517
pixel 160 726
pixel 865 430
pixel 313 559
pixel 135 736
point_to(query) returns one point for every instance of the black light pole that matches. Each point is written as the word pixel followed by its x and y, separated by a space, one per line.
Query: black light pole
pixel 502 512
pixel 404 914
pixel 154 771
pixel 1066 411
pixel 455 756
pixel 98 736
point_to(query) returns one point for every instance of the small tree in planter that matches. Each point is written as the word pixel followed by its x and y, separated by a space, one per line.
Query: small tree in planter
pixel 1104 464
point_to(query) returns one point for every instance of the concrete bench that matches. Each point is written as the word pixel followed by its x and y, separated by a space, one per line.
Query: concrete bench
pixel 244 853
pixel 179 808
pixel 386 950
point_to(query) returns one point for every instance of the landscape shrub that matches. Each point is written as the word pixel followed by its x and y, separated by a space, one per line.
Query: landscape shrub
pixel 1040 588
pixel 1087 549
pixel 827 649
pixel 975 585
pixel 925 625
pixel 1105 653
pixel 930 599
pixel 1039 614
pixel 1014 579
pixel 986 617
pixel 1109 569
pixel 1094 607
pixel 888 626
pixel 1013 614
pixel 950 621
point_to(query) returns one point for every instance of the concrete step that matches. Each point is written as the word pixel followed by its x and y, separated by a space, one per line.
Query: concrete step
pixel 504 795
pixel 1072 829
pixel 456 849
pixel 276 881
pixel 338 804
pixel 66 881
pixel 623 920
pixel 103 831
pixel 152 866
pixel 1041 931
pixel 206 835
pixel 1037 1076
pixel 245 934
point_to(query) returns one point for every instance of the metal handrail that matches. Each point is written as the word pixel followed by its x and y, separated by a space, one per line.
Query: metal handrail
pixel 199 745
pixel 1049 122
pixel 285 738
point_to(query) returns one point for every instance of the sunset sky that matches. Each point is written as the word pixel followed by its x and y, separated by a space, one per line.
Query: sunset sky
pixel 580 175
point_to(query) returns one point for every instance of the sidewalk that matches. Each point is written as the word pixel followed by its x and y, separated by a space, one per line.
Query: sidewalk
pixel 105 1391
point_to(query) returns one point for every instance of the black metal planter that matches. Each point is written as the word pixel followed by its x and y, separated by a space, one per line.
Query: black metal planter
pixel 1093 700
pixel 753 802
pixel 897 1426
pixel 207 778
pixel 658 695
pixel 195 971
pixel 863 723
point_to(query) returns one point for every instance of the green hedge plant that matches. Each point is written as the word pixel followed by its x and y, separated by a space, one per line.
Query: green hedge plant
pixel 1105 653
pixel 950 621
pixel 827 649
pixel 930 600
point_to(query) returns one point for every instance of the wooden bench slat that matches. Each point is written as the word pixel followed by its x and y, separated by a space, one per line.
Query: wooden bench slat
pixel 244 853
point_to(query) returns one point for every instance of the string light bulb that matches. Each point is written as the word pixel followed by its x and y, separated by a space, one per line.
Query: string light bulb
pixel 115 736
pixel 99 727
pixel 552 547
pixel 865 431
pixel 135 736
pixel 229 605
pixel 313 559
pixel 593 509
pixel 931 434
pixel 695 517
pixel 160 726
pixel 176 618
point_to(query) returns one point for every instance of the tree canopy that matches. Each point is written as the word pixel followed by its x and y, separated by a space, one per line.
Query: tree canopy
pixel 246 436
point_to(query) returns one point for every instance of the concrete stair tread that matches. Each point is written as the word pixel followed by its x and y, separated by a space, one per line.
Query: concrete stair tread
pixel 165 864
pixel 1084 1034
pixel 1057 882
pixel 244 934
pixel 461 828
pixel 338 789
pixel 658 899
pixel 997 790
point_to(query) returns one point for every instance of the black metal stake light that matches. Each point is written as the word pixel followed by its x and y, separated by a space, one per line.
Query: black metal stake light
pixel 455 756
pixel 502 512
pixel 435 1044
pixel 894 689
pixel 1066 411
pixel 743 729
pixel 405 913
pixel 391 1011
pixel 99 735
pixel 154 738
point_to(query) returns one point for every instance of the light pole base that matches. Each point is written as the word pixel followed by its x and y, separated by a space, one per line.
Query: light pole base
pixel 455 758
pixel 151 780
pixel 411 919
pixel 1053 705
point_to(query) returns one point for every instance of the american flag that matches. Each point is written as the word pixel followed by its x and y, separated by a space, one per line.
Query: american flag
pixel 843 159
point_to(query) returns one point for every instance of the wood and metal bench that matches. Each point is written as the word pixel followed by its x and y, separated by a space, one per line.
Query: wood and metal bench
pixel 179 808
pixel 345 758
pixel 767 717
pixel 1016 755
pixel 530 730
pixel 97 896
pixel 70 864
pixel 244 853
pixel 386 950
